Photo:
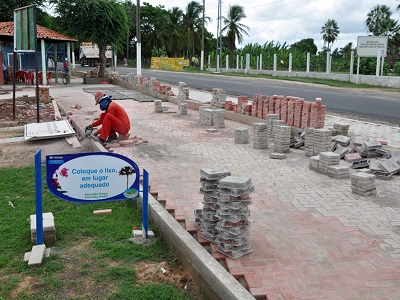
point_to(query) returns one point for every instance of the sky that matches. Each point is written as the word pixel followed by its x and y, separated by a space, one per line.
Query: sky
pixel 293 20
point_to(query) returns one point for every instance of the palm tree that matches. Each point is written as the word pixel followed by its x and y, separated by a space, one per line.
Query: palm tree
pixel 330 32
pixel 380 23
pixel 175 31
pixel 193 22
pixel 126 171
pixel 233 28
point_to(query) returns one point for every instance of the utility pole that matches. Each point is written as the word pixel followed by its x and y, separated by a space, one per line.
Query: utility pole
pixel 138 42
pixel 202 39
pixel 216 51
pixel 220 34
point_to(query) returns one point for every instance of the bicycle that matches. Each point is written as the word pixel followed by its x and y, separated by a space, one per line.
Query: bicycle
pixel 65 78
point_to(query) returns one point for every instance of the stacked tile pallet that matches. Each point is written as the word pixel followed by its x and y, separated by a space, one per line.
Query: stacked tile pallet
pixel 233 225
pixel 157 106
pixel 270 124
pixel 328 163
pixel 49 228
pixel 316 141
pixel 205 115
pixel 183 89
pixel 282 139
pixel 260 135
pixel 317 118
pixel 209 179
pixel 363 184
pixel 241 136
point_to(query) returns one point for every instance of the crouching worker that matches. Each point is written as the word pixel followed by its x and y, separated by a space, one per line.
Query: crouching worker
pixel 113 119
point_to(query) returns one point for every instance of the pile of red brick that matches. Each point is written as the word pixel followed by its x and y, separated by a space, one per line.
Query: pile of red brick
pixel 124 140
pixel 293 110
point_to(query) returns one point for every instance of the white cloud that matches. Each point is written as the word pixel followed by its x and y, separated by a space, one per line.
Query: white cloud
pixel 292 20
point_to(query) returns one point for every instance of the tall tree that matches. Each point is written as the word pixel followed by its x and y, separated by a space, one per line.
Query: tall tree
pixel 192 23
pixel 305 45
pixel 7 8
pixel 379 21
pixel 103 22
pixel 330 32
pixel 233 28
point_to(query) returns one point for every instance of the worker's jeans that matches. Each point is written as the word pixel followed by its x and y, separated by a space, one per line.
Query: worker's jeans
pixel 111 124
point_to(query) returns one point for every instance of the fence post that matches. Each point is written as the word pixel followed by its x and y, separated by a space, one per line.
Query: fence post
pixel 351 62
pixel 260 61
pixel 290 62
pixel 328 56
pixel 237 62
pixel 227 62
pixel 274 62
pixel 308 63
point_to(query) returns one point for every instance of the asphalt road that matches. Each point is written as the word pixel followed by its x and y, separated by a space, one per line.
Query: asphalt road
pixel 377 105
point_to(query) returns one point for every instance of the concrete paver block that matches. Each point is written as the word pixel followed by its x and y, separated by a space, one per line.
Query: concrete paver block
pixel 36 256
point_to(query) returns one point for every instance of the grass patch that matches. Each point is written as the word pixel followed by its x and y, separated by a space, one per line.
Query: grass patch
pixel 92 258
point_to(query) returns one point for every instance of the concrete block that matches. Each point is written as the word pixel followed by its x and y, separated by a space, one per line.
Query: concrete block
pixel 36 256
pixel 102 212
pixel 139 233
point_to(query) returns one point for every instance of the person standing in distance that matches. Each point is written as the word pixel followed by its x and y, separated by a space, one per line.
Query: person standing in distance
pixel 113 119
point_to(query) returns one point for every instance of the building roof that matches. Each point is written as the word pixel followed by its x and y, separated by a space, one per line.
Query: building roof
pixel 7 33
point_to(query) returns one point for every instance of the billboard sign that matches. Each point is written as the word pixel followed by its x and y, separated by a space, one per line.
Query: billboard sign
pixel 371 46
pixel 92 177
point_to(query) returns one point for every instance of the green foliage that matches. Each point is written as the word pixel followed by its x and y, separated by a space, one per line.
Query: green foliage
pixel 7 8
pixel 161 52
pixel 305 45
pixel 103 22
pixel 330 32
pixel 396 69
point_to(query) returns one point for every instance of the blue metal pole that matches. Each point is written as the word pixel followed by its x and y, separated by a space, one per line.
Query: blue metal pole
pixel 145 204
pixel 38 189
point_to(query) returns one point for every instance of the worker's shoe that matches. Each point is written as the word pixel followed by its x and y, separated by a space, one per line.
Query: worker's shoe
pixel 97 139
pixel 112 139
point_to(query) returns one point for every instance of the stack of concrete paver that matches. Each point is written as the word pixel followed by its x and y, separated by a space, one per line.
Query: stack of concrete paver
pixel 183 109
pixel 363 184
pixel 282 139
pixel 316 141
pixel 260 135
pixel 233 213
pixel 218 98
pixel 318 111
pixel 157 106
pixel 49 228
pixel 340 129
pixel 328 163
pixel 270 124
pixel 183 89
pixel 369 149
pixel 207 222
pixel 206 115
pixel 218 118
pixel 241 136
pixel 181 99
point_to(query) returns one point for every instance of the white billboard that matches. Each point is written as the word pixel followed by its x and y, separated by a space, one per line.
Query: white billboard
pixel 371 46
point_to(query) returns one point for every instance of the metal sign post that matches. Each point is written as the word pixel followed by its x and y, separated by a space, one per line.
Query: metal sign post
pixel 39 205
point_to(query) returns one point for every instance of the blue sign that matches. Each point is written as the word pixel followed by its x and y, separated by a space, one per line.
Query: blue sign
pixel 92 177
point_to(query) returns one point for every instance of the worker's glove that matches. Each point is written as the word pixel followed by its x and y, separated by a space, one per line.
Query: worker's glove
pixel 88 130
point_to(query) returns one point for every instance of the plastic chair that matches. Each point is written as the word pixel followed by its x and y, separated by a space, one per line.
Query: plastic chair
pixel 48 77
pixel 29 77
pixel 40 77
pixel 20 76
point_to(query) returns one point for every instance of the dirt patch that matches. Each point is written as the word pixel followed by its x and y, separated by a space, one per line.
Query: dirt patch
pixel 19 153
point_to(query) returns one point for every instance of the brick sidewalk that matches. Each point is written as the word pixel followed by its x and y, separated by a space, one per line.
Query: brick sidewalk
pixel 301 248
pixel 312 238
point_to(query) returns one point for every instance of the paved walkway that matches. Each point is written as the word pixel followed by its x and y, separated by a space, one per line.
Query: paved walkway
pixel 312 237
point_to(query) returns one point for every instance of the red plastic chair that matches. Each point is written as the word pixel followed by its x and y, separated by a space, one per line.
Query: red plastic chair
pixel 20 76
pixel 40 77
pixel 48 77
pixel 29 77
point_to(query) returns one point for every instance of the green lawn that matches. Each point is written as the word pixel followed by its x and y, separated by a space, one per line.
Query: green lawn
pixel 92 257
